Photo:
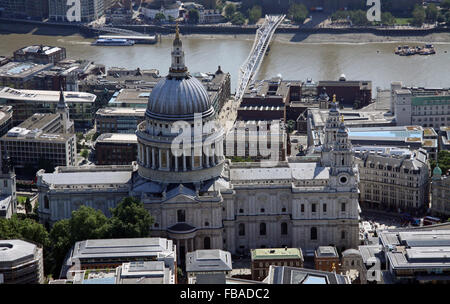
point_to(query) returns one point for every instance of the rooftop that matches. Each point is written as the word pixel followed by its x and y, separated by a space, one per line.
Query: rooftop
pixel 292 275
pixel 22 69
pixel 326 251
pixel 276 253
pixel 46 96
pixel 13 252
pixel 121 111
pixel 117 138
pixel 208 260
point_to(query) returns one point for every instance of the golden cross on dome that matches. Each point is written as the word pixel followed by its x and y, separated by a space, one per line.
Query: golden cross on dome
pixel 177 32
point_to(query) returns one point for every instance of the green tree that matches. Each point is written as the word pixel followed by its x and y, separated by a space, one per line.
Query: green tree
pixel 298 13
pixel 445 4
pixel 130 219
pixel 419 15
pixel 24 229
pixel 443 160
pixel 431 12
pixel 194 16
pixel 387 18
pixel 230 9
pixel 28 206
pixel 359 18
pixel 238 19
pixel 254 14
pixel 87 223
pixel 159 17
pixel 84 153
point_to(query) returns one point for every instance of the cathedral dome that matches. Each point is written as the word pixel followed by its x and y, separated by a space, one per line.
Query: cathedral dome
pixel 179 98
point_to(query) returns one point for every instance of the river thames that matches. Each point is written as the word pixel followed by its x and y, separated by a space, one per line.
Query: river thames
pixel 293 60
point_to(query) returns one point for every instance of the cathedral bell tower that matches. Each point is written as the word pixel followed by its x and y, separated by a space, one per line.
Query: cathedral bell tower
pixel 63 110
pixel 330 132
pixel 344 172
pixel 178 69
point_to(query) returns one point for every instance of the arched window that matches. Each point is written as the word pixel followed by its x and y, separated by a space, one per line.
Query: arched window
pixel 262 229
pixel 181 216
pixel 46 202
pixel 343 234
pixel 206 224
pixel 284 229
pixel 313 233
pixel 241 229
pixel 207 243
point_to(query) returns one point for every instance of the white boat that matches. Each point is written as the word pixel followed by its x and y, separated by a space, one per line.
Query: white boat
pixel 114 42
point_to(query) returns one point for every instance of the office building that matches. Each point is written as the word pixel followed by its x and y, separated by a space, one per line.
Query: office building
pixel 210 266
pixel 294 275
pixel 41 54
pixel 90 10
pixel 262 258
pixel 425 107
pixel 21 263
pixel 111 253
pixel 27 102
pixel 326 258
pixel 118 120
pixel 115 149
pixel 440 192
pixel 21 9
pixel 355 94
pixel 393 178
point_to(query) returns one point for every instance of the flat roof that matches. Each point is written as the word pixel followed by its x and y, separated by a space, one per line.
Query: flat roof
pixel 121 111
pixel 276 253
pixel 130 247
pixel 47 96
pixel 87 178
pixel 327 251
pixel 208 260
pixel 117 138
pixel 22 69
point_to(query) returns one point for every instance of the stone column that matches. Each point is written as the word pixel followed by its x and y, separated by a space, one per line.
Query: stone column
pixel 147 149
pixel 176 163
pixel 139 153
pixel 213 157
pixel 192 158
pixel 184 162
pixel 167 159
pixel 153 158
pixel 207 158
pixel 159 156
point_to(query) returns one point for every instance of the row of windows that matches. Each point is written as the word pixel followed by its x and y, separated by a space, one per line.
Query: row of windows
pixel 324 207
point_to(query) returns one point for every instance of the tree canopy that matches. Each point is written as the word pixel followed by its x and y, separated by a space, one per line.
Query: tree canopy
pixel 254 14
pixel 443 160
pixel 230 9
pixel 24 229
pixel 194 16
pixel 298 13
pixel 419 15
pixel 431 12
pixel 238 19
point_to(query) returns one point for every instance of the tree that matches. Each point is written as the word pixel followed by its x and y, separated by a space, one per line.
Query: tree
pixel 387 18
pixel 359 18
pixel 254 14
pixel 238 19
pixel 160 17
pixel 24 229
pixel 84 153
pixel 130 219
pixel 28 206
pixel 431 12
pixel 419 15
pixel 445 4
pixel 298 13
pixel 87 223
pixel 230 9
pixel 194 16
pixel 443 160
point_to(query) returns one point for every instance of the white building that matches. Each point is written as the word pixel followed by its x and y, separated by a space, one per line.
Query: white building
pixel 166 7
pixel 200 200
pixel 440 192
pixel 421 106
pixel 393 178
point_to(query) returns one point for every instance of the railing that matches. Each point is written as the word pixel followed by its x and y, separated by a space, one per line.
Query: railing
pixel 264 35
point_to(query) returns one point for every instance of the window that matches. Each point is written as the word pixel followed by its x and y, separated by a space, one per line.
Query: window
pixel 262 229
pixel 302 207
pixel 156 225
pixel 283 209
pixel 313 207
pixel 46 202
pixel 206 224
pixel 343 207
pixel 207 243
pixel 241 229
pixel 343 235
pixel 241 210
pixel 324 207
pixel 313 233
pixel 262 210
pixel 284 229
pixel 181 216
